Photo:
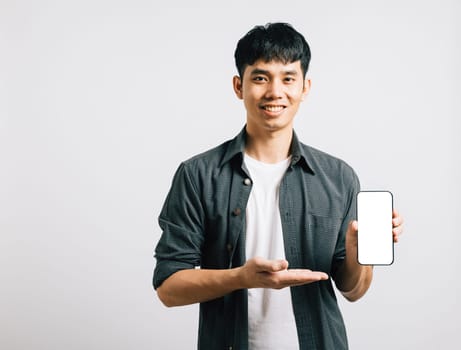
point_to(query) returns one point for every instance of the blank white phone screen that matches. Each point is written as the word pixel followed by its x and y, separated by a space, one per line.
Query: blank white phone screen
pixel 374 216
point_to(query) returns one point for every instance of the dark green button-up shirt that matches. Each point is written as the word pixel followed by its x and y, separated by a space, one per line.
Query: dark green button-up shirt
pixel 203 223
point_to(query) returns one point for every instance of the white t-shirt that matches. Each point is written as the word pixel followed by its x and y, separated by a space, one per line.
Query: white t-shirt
pixel 271 322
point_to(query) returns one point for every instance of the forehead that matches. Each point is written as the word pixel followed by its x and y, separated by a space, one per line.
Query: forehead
pixel 273 68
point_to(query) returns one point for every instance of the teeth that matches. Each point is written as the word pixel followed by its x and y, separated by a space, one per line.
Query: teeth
pixel 273 108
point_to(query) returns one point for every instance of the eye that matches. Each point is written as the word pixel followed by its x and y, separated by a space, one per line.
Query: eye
pixel 259 78
pixel 289 79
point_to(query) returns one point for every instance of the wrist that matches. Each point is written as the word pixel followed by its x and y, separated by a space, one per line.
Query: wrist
pixel 239 278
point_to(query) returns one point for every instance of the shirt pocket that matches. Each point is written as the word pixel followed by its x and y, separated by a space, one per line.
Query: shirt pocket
pixel 323 234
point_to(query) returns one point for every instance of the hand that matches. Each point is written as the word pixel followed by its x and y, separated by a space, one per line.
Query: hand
pixel 351 234
pixel 397 222
pixel 263 273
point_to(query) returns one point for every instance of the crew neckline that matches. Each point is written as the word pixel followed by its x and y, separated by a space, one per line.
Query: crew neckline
pixel 280 164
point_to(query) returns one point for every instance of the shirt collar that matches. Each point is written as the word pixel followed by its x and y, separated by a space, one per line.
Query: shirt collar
pixel 299 154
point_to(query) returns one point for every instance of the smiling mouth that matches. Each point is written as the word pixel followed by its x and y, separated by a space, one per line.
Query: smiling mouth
pixel 272 108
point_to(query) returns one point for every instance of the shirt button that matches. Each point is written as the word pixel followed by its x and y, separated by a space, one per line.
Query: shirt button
pixel 229 247
pixel 236 212
pixel 247 182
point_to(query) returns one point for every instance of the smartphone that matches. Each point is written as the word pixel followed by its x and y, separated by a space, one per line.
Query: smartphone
pixel 374 216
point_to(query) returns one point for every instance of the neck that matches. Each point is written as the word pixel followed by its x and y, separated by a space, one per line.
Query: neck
pixel 269 147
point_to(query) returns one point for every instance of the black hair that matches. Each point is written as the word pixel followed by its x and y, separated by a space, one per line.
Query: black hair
pixel 272 42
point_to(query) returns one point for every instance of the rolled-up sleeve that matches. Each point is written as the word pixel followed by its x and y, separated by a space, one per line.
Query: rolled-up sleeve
pixel 350 213
pixel 181 221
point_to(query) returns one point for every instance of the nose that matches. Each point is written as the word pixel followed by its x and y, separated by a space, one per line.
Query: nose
pixel 274 90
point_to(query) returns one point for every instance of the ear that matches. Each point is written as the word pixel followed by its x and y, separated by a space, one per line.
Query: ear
pixel 237 84
pixel 306 88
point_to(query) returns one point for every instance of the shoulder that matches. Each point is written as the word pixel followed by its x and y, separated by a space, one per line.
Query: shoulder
pixel 219 156
pixel 212 166
pixel 209 159
pixel 329 166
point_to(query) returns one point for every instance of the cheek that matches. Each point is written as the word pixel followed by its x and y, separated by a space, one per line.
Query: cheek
pixel 250 97
pixel 296 96
pixel 249 103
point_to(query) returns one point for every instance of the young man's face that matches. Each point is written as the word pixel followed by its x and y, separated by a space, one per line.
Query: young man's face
pixel 272 92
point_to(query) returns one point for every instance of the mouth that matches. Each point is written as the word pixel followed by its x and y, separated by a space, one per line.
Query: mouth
pixel 273 108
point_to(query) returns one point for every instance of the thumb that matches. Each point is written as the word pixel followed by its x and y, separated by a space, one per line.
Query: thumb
pixel 352 232
pixel 279 265
pixel 353 225
pixel 352 228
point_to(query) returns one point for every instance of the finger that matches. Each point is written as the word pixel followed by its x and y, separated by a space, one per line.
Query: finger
pixel 353 226
pixel 271 265
pixel 396 232
pixel 306 274
pixel 352 230
pixel 397 220
pixel 352 234
pixel 320 275
pixel 291 278
pixel 279 265
pixel 295 277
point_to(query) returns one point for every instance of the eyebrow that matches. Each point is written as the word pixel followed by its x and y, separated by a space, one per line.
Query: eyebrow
pixel 257 71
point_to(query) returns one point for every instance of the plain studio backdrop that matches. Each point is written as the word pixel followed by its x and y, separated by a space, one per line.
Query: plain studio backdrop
pixel 101 100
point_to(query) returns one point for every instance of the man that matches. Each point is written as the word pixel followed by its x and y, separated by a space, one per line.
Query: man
pixel 263 212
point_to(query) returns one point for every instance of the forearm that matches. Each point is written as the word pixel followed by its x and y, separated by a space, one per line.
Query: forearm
pixel 196 285
pixel 353 279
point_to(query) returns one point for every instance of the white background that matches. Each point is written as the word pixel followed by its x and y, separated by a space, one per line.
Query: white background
pixel 100 100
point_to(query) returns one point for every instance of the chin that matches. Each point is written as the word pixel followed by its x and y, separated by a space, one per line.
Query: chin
pixel 278 126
